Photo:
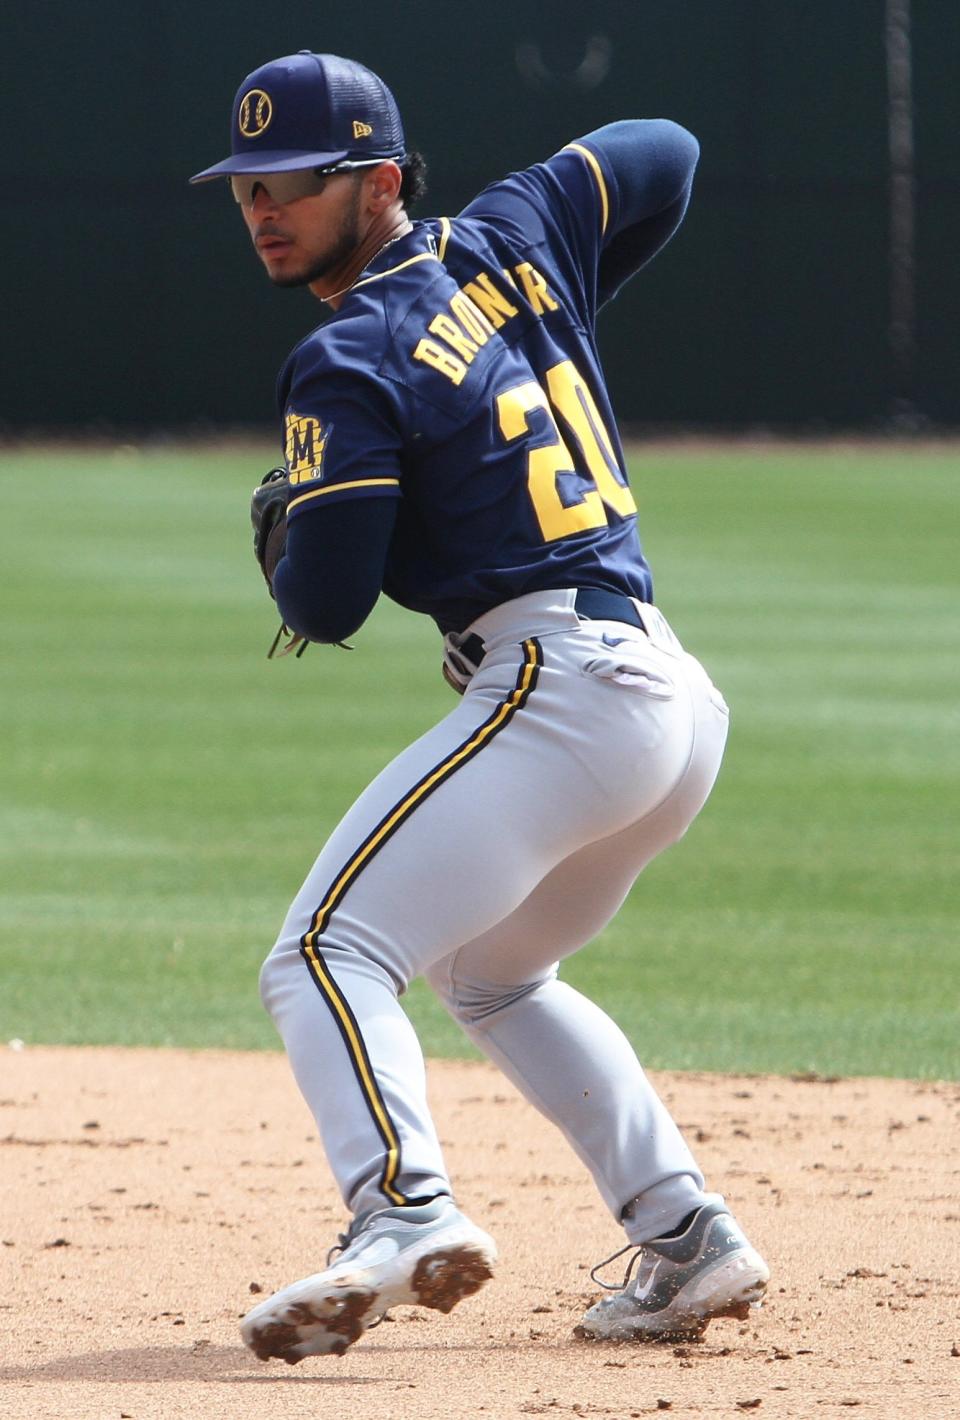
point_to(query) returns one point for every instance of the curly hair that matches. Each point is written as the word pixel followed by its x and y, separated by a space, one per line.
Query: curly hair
pixel 414 184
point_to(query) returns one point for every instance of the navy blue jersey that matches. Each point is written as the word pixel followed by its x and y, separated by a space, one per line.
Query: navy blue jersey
pixel 460 377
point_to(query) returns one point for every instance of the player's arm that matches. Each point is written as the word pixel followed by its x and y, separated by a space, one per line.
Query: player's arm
pixel 328 581
pixel 602 206
pixel 342 455
pixel 646 167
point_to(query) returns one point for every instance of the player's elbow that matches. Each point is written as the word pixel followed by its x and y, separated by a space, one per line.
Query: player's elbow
pixel 676 140
pixel 685 154
pixel 322 627
pixel 652 156
pixel 662 137
pixel 319 611
pixel 672 153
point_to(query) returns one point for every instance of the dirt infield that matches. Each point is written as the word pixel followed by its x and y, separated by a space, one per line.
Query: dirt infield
pixel 147 1194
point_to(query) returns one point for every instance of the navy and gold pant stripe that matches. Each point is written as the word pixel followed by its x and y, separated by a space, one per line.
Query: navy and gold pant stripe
pixel 384 831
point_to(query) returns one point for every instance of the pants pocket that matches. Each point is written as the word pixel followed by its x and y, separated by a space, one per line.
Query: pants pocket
pixel 632 669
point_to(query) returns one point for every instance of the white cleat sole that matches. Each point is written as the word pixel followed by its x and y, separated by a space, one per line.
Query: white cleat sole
pixel 326 1313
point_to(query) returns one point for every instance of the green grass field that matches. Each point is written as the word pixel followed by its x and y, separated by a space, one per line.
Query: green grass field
pixel 159 810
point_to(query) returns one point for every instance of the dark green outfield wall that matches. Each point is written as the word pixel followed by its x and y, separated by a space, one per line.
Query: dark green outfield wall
pixel 131 300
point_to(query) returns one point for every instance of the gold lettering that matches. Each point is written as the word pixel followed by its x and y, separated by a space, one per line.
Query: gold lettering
pixel 447 329
pixel 473 320
pixel 535 289
pixel 304 444
pixel 491 302
pixel 437 358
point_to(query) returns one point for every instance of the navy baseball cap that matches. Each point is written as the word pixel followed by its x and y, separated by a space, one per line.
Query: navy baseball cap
pixel 308 111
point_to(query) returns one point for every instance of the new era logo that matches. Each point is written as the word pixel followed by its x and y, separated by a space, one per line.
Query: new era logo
pixel 361 130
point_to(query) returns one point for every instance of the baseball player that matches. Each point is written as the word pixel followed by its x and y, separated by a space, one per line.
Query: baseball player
pixel 449 440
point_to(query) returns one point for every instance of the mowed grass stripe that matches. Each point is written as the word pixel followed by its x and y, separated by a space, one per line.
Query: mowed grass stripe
pixel 165 787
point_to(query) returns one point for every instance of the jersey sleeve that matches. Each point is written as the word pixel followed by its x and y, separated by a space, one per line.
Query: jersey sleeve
pixel 332 572
pixel 340 439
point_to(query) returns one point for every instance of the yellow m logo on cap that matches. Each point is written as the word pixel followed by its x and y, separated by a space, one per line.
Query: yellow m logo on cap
pixel 361 130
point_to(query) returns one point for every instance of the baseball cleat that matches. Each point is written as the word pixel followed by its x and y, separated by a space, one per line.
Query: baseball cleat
pixel 709 1270
pixel 429 1255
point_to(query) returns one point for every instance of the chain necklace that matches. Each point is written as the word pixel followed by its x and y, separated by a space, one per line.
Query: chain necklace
pixel 388 243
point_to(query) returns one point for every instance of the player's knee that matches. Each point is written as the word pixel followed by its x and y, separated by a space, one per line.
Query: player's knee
pixel 267 976
pixel 274 972
pixel 476 1003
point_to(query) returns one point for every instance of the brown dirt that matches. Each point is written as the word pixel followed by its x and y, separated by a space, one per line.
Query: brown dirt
pixel 147 1194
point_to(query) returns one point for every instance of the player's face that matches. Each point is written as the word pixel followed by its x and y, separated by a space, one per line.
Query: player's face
pixel 300 241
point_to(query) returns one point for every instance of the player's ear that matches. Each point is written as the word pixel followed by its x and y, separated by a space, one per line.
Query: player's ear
pixel 385 183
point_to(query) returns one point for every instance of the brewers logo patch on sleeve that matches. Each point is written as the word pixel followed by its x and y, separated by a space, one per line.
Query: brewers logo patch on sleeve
pixel 305 445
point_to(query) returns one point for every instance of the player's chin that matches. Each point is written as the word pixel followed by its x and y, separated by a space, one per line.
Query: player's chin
pixel 288 278
pixel 283 271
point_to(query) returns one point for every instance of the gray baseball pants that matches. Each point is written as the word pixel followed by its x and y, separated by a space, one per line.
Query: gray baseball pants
pixel 496 845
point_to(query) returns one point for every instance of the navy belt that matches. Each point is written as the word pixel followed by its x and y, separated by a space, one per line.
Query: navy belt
pixel 590 603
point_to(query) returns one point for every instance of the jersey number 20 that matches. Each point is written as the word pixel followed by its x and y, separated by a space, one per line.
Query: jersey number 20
pixel 570 397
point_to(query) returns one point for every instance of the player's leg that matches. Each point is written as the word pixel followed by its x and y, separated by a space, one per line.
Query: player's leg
pixel 429 855
pixel 574 1064
pixel 540 757
pixel 561 1050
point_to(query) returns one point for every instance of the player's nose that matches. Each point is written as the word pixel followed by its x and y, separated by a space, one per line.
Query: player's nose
pixel 262 202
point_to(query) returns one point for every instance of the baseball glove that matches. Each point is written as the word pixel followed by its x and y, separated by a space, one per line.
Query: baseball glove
pixel 268 514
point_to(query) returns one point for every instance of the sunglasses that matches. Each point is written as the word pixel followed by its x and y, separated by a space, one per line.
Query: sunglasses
pixel 288 187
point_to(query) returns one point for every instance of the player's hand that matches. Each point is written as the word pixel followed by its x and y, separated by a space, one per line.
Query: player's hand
pixel 268 514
